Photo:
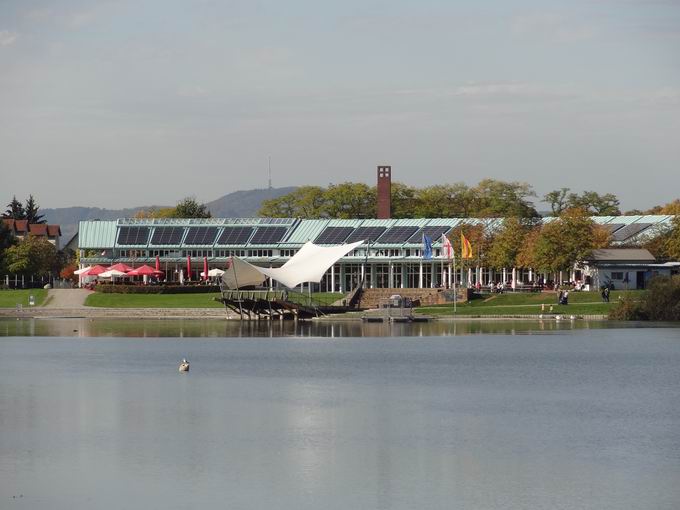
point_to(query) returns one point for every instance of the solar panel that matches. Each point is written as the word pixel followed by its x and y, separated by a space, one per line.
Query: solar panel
pixel 166 236
pixel 612 227
pixel 333 235
pixel 629 231
pixel 201 236
pixel 397 234
pixel 235 235
pixel 434 232
pixel 268 235
pixel 133 235
pixel 365 234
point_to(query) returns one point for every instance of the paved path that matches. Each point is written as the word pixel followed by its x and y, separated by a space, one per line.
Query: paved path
pixel 66 298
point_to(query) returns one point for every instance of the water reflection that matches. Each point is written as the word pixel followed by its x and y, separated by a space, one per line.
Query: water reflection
pixel 211 328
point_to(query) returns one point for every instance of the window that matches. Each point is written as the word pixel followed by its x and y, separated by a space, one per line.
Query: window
pixel 617 276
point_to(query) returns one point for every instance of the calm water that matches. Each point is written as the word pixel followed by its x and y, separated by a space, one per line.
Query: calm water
pixel 93 414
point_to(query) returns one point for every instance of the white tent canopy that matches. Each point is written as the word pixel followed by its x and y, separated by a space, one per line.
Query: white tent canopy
pixel 309 264
pixel 111 273
pixel 213 272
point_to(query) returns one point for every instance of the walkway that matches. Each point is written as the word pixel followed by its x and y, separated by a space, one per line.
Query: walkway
pixel 66 298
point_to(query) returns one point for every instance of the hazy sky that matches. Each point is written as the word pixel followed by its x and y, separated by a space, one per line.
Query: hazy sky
pixel 131 102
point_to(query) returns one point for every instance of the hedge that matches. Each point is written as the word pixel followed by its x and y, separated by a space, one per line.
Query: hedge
pixel 105 288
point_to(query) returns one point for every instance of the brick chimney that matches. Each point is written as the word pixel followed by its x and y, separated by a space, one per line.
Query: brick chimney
pixel 384 192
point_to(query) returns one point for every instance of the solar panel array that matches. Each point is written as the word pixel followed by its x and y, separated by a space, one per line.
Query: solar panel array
pixel 434 232
pixel 333 235
pixel 268 235
pixel 201 236
pixel 397 234
pixel 629 231
pixel 133 235
pixel 163 236
pixel 612 227
pixel 365 234
pixel 235 235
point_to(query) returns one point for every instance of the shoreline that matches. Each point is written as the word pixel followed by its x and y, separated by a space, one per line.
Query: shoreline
pixel 220 313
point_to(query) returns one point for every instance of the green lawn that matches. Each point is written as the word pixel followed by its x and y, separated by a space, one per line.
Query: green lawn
pixel 154 300
pixel 580 303
pixel 10 298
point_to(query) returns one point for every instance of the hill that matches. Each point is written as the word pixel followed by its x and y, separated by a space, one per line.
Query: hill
pixel 239 204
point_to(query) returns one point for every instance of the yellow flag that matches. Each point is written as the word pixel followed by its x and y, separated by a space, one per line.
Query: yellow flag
pixel 465 248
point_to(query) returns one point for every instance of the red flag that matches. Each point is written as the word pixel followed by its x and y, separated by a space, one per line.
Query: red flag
pixel 188 267
pixel 158 263
pixel 205 268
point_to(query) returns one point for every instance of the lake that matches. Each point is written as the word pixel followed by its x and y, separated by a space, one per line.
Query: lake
pixel 465 414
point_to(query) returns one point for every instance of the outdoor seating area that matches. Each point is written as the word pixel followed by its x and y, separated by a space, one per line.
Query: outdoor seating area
pixel 123 274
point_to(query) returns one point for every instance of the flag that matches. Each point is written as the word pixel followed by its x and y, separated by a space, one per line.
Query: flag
pixel 447 249
pixel 427 247
pixel 465 248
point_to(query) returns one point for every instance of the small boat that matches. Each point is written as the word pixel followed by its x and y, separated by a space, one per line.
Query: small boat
pixel 184 366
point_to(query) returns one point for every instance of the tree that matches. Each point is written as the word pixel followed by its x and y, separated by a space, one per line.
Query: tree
pixel 507 243
pixel 444 201
pixel 594 203
pixel 32 256
pixel 403 199
pixel 190 208
pixel 15 210
pixel 7 239
pixel 350 200
pixel 162 212
pixel 567 241
pixel 557 200
pixel 494 199
pixel 31 211
pixel 672 245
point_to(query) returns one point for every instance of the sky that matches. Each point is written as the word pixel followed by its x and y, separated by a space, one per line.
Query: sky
pixel 122 103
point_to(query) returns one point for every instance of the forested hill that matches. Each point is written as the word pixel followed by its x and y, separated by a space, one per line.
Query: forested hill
pixel 239 204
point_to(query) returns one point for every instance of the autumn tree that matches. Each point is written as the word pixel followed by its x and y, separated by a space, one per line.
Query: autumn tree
pixel 444 201
pixel 508 242
pixel 568 240
pixel 32 256
pixel 403 199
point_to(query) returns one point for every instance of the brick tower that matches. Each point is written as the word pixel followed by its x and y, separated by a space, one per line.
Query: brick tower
pixel 384 192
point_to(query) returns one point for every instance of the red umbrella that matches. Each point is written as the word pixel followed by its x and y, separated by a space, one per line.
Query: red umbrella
pixel 94 271
pixel 121 267
pixel 144 271
pixel 205 268
pixel 189 267
pixel 158 263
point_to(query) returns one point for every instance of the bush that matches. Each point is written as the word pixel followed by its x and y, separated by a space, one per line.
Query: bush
pixel 660 302
pixel 107 288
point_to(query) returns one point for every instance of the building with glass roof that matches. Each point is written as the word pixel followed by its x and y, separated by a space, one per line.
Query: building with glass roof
pixel 393 259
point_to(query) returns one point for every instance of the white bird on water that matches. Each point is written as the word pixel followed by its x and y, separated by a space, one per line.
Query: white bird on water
pixel 184 366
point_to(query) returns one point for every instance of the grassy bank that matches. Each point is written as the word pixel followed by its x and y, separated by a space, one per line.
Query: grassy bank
pixel 580 303
pixel 10 298
pixel 153 300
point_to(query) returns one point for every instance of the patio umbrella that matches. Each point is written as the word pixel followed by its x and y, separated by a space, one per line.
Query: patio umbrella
pixel 83 270
pixel 112 273
pixel 158 263
pixel 189 267
pixel 94 271
pixel 144 271
pixel 124 268
pixel 205 267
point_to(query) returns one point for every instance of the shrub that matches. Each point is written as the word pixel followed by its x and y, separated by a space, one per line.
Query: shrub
pixel 660 302
pixel 107 288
